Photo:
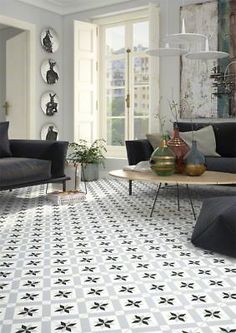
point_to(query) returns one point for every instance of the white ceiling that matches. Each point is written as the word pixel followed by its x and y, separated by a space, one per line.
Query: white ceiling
pixel 71 6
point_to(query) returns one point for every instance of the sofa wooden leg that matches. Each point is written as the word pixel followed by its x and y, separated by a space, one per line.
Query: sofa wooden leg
pixel 130 187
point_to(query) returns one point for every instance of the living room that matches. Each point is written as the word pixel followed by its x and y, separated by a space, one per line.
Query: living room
pixel 118 259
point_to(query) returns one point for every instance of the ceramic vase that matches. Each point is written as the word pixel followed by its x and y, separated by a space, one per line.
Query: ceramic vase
pixel 180 149
pixel 162 160
pixel 194 161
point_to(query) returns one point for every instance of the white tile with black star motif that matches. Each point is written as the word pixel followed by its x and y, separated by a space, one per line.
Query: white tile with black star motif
pixel 103 265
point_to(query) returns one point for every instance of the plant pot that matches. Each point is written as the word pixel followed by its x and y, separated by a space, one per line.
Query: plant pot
pixel 162 160
pixel 89 172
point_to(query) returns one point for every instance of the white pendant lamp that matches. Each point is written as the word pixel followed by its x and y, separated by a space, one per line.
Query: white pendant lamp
pixel 207 54
pixel 184 36
pixel 166 51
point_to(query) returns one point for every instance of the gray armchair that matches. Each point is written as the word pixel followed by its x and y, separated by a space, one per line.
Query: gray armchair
pixel 33 162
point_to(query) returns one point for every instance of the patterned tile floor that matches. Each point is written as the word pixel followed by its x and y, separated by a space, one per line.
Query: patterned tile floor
pixel 103 265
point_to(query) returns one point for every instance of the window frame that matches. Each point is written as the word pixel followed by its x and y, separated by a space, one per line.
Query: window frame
pixel 125 19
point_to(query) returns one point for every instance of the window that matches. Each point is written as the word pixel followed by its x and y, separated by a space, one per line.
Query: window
pixel 124 77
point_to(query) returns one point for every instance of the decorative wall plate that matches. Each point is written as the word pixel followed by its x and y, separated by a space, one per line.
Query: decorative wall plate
pixel 49 103
pixel 49 71
pixel 49 132
pixel 49 40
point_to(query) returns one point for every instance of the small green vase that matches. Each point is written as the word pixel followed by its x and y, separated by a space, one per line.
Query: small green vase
pixel 162 160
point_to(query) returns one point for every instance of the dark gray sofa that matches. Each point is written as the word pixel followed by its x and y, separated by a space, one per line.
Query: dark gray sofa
pixel 225 135
pixel 33 162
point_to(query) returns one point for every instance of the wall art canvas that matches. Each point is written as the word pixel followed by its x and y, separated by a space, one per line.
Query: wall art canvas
pixel 49 103
pixel 50 71
pixel 49 40
pixel 227 67
pixel 49 132
pixel 196 85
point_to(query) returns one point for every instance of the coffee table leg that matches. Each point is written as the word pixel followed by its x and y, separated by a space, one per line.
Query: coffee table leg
pixel 153 206
pixel 177 188
pixel 191 203
pixel 130 187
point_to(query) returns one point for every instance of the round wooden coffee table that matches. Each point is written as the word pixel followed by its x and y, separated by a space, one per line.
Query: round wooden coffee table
pixel 207 178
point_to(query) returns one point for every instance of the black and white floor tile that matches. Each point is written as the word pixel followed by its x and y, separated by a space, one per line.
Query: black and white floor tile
pixel 103 265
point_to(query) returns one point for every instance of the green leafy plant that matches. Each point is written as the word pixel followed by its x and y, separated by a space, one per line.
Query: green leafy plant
pixel 84 153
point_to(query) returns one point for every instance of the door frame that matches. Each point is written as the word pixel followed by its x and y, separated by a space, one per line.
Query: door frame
pixel 31 43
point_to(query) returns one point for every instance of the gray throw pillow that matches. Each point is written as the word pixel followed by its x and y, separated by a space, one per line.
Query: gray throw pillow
pixel 4 142
pixel 205 137
pixel 154 139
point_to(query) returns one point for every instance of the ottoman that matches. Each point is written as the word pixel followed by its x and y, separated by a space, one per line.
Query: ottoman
pixel 215 228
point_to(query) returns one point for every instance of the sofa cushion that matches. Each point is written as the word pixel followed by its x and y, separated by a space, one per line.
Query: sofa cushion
pixel 19 170
pixel 226 138
pixel 154 139
pixel 225 134
pixel 205 138
pixel 221 164
pixel 4 142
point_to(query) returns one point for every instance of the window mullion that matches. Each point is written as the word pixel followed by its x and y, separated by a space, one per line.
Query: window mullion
pixel 129 84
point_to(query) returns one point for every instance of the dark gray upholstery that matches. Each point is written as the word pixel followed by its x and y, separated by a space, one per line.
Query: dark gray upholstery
pixel 225 134
pixel 215 228
pixel 4 142
pixel 54 151
pixel 23 170
pixel 222 164
pixel 33 162
pixel 138 150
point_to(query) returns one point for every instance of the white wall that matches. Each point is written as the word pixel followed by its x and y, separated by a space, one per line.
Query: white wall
pixel 5 34
pixel 169 67
pixel 40 19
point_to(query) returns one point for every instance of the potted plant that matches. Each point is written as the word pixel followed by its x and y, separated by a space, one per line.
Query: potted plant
pixel 89 156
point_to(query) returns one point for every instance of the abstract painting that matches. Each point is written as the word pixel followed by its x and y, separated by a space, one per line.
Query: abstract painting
pixel 196 85
pixel 208 89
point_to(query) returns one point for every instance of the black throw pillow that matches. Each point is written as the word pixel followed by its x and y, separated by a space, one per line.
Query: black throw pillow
pixel 4 142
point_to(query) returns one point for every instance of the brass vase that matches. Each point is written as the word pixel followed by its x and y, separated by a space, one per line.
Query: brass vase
pixel 180 149
pixel 194 161
pixel 162 160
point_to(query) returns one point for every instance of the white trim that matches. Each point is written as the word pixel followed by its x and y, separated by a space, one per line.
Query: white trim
pixel 154 77
pixel 122 17
pixel 80 117
pixel 31 43
pixel 65 9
